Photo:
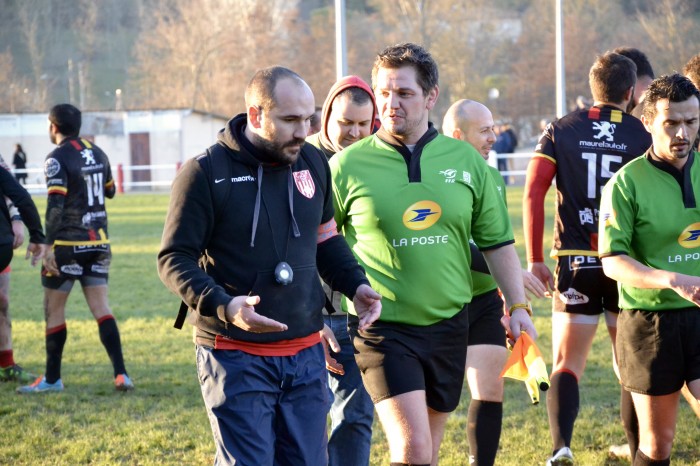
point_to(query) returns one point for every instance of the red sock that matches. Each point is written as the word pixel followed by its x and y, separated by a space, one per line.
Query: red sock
pixel 6 358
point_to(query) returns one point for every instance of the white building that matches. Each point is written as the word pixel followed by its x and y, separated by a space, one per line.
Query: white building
pixel 148 144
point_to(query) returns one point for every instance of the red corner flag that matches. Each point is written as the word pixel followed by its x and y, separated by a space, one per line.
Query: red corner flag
pixel 525 363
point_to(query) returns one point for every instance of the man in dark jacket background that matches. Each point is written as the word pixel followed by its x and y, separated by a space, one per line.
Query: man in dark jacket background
pixel 349 113
pixel 12 221
pixel 257 210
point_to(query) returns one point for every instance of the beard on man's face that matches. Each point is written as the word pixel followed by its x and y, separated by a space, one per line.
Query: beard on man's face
pixel 274 151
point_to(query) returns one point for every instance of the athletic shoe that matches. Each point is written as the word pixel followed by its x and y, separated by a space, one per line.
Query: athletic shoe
pixel 15 374
pixel 563 457
pixel 123 383
pixel 40 385
pixel 621 452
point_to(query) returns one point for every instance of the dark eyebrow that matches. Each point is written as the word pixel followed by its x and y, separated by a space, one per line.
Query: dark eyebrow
pixel 400 89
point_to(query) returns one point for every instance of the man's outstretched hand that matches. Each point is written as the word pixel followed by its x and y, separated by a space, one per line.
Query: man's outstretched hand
pixel 330 343
pixel 368 305
pixel 240 311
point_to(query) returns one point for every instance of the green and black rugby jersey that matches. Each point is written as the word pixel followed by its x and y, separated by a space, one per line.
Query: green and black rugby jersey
pixel 408 218
pixel 483 282
pixel 588 147
pixel 649 211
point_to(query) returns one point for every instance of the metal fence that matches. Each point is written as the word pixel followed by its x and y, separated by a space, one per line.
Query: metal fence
pixel 124 176
pixel 161 176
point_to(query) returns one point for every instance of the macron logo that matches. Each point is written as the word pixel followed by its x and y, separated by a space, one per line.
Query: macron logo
pixel 235 179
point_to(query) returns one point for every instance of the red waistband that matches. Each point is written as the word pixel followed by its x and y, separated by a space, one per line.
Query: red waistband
pixel 275 348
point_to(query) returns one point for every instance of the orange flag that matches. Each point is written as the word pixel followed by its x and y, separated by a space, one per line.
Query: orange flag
pixel 525 363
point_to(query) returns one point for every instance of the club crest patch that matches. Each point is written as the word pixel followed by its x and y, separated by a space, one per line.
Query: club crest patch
pixel 305 183
pixel 51 167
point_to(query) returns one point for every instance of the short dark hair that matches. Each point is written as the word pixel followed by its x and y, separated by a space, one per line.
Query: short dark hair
pixel 639 58
pixel 408 54
pixel 67 119
pixel 692 70
pixel 356 95
pixel 674 87
pixel 316 118
pixel 611 76
pixel 261 88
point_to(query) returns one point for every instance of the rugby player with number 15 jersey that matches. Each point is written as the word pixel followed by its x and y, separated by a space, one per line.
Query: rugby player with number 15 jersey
pixel 582 150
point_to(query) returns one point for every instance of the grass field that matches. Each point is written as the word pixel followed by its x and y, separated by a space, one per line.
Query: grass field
pixel 163 420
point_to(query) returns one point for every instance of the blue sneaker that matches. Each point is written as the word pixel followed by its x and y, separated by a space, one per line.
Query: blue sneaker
pixel 40 386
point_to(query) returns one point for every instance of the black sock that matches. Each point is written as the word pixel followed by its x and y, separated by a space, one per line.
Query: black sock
pixel 562 408
pixel 640 459
pixel 55 340
pixel 109 335
pixel 629 421
pixel 484 430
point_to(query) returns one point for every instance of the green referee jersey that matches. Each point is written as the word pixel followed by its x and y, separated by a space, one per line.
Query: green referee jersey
pixel 408 219
pixel 649 211
pixel 483 282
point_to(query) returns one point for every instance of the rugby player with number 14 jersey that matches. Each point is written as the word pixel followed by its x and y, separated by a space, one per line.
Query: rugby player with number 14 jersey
pixel 79 180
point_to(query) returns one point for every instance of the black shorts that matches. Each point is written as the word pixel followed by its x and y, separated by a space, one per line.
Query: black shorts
pixel 5 256
pixel 583 288
pixel 84 263
pixel 658 351
pixel 400 358
pixel 485 312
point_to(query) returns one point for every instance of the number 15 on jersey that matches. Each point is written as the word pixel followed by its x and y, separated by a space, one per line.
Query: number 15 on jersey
pixel 606 172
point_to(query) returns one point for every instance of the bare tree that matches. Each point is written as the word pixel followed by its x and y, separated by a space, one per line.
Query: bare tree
pixel 590 27
pixel 463 37
pixel 178 40
pixel 672 32
pixel 35 25
pixel 201 54
pixel 11 86
pixel 419 21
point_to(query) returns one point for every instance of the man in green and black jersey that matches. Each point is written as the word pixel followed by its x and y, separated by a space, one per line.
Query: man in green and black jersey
pixel 471 121
pixel 408 200
pixel 650 244
pixel 79 180
pixel 582 151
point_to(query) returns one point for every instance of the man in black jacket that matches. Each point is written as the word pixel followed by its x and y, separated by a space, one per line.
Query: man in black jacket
pixel 256 214
pixel 12 221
